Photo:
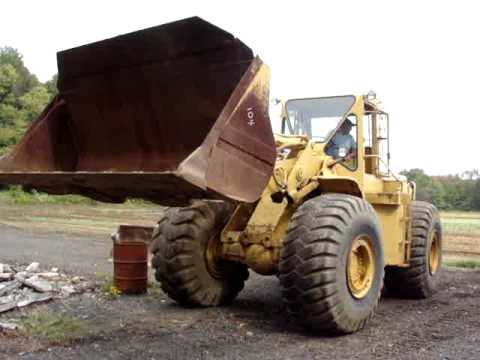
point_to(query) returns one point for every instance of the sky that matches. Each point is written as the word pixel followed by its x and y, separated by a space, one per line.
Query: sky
pixel 422 58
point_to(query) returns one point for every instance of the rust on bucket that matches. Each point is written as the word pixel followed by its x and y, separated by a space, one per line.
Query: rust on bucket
pixel 169 114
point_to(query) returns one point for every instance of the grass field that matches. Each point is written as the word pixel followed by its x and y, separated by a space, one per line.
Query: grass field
pixel 461 233
pixel 72 214
pixel 461 223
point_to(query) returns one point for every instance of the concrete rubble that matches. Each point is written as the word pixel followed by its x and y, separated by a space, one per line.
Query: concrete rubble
pixel 24 285
pixel 8 326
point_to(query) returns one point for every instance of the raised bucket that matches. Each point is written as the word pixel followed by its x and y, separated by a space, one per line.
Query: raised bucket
pixel 169 114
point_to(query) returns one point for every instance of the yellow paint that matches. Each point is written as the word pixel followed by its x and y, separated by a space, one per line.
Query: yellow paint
pixel 255 232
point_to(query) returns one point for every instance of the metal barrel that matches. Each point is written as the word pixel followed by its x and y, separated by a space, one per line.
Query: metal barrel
pixel 130 258
pixel 130 267
pixel 169 113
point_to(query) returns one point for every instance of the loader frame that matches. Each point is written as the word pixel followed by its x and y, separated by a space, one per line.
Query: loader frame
pixel 255 232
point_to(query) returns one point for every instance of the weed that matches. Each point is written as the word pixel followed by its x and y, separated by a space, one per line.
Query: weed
pixel 54 328
pixel 155 289
pixel 107 287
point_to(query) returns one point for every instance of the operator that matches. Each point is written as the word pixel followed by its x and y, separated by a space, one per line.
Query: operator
pixel 342 145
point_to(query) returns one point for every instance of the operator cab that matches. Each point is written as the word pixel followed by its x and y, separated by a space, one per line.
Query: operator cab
pixel 332 121
pixel 326 121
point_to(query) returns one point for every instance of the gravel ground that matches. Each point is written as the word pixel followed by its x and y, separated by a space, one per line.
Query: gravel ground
pixel 446 326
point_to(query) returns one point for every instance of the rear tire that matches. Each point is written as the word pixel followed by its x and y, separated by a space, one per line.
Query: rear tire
pixel 332 263
pixel 184 261
pixel 420 279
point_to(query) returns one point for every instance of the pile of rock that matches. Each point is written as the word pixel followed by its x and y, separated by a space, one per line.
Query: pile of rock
pixel 23 285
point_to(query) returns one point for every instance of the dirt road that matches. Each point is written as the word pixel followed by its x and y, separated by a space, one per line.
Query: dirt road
pixel 254 327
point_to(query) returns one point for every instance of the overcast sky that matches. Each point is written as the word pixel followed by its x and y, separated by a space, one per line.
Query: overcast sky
pixel 422 58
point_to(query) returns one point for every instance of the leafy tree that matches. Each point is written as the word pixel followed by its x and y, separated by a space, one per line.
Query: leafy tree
pixel 51 86
pixel 26 81
pixel 33 102
pixel 428 189
pixel 8 79
pixel 459 192
pixel 22 97
pixel 8 138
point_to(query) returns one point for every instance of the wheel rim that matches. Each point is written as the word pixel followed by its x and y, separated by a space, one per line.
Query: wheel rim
pixel 434 253
pixel 361 266
pixel 212 256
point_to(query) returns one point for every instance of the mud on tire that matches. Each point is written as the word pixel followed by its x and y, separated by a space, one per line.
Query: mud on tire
pixel 179 250
pixel 421 278
pixel 313 265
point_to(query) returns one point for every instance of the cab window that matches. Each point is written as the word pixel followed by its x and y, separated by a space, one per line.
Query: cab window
pixel 316 118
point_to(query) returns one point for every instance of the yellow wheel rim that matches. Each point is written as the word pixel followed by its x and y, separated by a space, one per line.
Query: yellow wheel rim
pixel 434 253
pixel 212 256
pixel 361 266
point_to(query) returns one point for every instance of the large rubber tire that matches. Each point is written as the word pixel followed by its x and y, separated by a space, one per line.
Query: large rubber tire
pixel 314 258
pixel 417 281
pixel 180 260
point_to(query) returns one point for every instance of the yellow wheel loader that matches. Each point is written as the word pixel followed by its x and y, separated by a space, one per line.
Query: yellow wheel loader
pixel 179 114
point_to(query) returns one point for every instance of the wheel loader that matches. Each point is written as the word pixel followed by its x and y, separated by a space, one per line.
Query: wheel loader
pixel 178 114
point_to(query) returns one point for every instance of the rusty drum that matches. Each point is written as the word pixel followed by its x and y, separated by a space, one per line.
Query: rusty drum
pixel 130 267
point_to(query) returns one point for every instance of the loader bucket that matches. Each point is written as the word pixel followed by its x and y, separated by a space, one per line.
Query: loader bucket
pixel 170 113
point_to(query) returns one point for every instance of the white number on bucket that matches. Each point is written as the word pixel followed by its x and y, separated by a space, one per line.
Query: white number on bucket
pixel 250 117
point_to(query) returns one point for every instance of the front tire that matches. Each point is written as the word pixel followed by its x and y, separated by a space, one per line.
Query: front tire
pixel 332 263
pixel 184 256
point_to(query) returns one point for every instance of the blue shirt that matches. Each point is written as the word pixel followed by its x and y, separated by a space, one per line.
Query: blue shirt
pixel 341 141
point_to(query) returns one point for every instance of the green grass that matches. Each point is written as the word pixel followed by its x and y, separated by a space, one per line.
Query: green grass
pixel 54 328
pixel 461 214
pixel 16 195
pixel 463 263
pixel 466 223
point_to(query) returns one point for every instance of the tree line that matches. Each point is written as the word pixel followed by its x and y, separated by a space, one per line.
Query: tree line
pixel 448 192
pixel 23 97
